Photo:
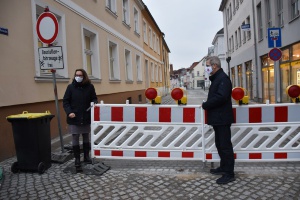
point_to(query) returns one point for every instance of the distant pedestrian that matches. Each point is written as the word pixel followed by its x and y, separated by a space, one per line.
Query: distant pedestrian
pixel 220 116
pixel 76 102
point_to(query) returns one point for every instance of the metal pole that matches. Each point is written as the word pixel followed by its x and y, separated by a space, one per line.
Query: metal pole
pixel 57 110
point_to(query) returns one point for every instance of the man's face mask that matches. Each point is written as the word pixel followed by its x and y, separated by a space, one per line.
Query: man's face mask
pixel 208 69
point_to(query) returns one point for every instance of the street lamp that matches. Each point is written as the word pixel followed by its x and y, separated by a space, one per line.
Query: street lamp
pixel 228 59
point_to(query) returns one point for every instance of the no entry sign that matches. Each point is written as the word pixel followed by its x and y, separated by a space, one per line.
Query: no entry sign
pixel 47 27
pixel 275 54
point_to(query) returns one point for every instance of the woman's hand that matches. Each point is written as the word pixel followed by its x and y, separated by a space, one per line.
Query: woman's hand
pixel 72 115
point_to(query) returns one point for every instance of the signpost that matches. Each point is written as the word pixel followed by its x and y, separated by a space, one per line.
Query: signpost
pixel 50 57
pixel 275 54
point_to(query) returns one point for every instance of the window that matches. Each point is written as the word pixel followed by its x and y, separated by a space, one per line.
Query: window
pixel 230 12
pixel 114 70
pixel 145 32
pixel 111 5
pixel 227 16
pixel 160 74
pixel 248 32
pixel 232 48
pixel 152 72
pixel 128 65
pixel 259 21
pixel 239 37
pixel 295 8
pixel 154 41
pixel 280 12
pixel 236 40
pixel 233 7
pixel 158 46
pixel 136 21
pixel 229 46
pixel 237 4
pixel 44 74
pixel 126 12
pixel 138 68
pixel 268 14
pixel 150 38
pixel 90 53
pixel 156 73
pixel 244 34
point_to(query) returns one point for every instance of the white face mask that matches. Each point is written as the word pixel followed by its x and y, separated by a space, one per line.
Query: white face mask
pixel 208 69
pixel 78 79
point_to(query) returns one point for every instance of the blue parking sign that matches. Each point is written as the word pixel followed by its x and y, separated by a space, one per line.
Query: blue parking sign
pixel 274 37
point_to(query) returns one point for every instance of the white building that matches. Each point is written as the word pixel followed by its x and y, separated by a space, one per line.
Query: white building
pixel 246 34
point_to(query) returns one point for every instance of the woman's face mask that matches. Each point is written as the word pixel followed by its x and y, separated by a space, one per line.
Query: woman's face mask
pixel 78 79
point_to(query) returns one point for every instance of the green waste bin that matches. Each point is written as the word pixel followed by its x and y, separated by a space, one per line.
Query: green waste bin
pixel 32 139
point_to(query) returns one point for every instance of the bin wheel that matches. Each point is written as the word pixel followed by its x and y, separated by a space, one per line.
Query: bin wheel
pixel 41 168
pixel 15 167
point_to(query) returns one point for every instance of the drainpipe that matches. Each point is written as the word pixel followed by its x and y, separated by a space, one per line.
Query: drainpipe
pixel 255 54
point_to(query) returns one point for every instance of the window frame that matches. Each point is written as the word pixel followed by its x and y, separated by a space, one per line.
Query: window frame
pixel 126 15
pixel 128 65
pixel 113 49
pixel 95 60
pixel 139 73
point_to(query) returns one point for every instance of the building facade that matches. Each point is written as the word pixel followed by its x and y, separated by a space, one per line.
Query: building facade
pixel 117 42
pixel 246 25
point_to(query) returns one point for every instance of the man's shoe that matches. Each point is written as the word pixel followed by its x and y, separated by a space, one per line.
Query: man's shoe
pixel 225 179
pixel 217 171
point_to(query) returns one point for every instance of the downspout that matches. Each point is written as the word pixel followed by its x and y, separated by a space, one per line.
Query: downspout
pixel 255 54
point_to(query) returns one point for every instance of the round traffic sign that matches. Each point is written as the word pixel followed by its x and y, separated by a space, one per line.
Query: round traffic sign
pixel 275 54
pixel 47 27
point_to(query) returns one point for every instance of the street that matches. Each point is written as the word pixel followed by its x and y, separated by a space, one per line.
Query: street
pixel 154 179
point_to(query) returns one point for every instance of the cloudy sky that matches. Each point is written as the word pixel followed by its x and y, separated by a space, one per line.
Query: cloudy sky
pixel 189 27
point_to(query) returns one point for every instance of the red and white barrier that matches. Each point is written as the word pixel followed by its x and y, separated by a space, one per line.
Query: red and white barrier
pixel 260 132
pixel 146 113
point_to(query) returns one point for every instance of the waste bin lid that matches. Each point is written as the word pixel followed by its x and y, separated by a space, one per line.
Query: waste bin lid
pixel 27 115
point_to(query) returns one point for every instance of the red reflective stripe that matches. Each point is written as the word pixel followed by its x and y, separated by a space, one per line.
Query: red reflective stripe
pixel 281 114
pixel 208 156
pixel 187 154
pixel 141 114
pixel 97 152
pixel 164 114
pixel 280 155
pixel 205 116
pixel 188 115
pixel 234 114
pixel 254 155
pixel 164 154
pixel 116 153
pixel 140 154
pixel 255 115
pixel 117 114
pixel 234 155
pixel 96 113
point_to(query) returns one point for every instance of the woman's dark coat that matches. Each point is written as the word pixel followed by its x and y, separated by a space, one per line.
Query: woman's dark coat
pixel 77 99
pixel 218 104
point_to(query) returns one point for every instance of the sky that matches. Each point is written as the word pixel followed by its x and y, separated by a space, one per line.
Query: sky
pixel 189 27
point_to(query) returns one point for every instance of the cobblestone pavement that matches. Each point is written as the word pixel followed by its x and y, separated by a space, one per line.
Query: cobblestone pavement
pixel 152 179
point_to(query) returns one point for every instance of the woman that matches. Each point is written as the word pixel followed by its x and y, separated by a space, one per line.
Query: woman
pixel 76 102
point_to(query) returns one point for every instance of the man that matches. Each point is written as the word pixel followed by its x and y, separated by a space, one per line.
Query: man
pixel 220 117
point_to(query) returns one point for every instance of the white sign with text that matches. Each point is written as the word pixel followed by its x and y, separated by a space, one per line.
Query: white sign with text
pixel 51 57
